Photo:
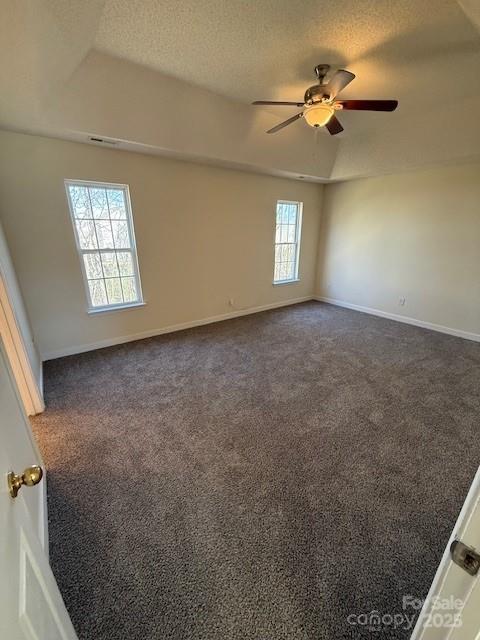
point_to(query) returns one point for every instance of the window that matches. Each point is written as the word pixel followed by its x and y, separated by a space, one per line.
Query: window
pixel 103 227
pixel 287 241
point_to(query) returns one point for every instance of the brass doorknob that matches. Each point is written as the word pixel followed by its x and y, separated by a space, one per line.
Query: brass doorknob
pixel 30 477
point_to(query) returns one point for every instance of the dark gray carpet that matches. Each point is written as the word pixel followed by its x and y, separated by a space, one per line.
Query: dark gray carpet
pixel 260 478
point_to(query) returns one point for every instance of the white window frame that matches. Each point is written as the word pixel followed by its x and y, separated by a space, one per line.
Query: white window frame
pixel 133 249
pixel 298 238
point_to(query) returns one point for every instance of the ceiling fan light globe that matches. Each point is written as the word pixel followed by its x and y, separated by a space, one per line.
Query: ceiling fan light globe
pixel 317 115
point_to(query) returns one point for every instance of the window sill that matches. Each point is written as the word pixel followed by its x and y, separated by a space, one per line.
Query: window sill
pixel 120 307
pixel 286 281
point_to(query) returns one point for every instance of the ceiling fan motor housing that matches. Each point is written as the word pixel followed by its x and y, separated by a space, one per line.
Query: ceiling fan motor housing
pixel 316 94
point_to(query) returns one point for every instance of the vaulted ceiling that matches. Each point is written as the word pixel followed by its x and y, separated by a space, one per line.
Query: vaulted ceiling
pixel 177 78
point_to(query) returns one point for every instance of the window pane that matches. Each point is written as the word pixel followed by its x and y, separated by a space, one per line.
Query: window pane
pixel 289 272
pixel 97 293
pixel 104 233
pixel 80 201
pixel 125 263
pixel 98 200
pixel 292 214
pixel 114 291
pixel 279 213
pixel 129 289
pixel 116 203
pixel 86 234
pixel 276 275
pixel 109 262
pixel 93 268
pixel 289 253
pixel 291 233
pixel 120 234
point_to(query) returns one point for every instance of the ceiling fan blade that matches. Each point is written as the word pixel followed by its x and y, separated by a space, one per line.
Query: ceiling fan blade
pixel 334 126
pixel 273 102
pixel 285 123
pixel 339 81
pixel 369 105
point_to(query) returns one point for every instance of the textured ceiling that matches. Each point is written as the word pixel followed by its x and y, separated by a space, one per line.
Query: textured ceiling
pixel 176 78
pixel 472 10
pixel 41 43
pixel 402 49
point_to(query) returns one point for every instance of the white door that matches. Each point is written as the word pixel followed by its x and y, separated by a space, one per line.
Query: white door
pixel 452 608
pixel 31 607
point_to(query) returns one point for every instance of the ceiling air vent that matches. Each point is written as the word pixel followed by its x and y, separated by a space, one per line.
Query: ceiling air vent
pixel 102 140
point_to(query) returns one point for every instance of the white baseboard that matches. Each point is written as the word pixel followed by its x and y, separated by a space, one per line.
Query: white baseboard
pixel 109 342
pixel 407 320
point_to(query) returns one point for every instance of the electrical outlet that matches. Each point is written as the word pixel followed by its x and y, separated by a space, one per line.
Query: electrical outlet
pixel 402 301
pixel 231 302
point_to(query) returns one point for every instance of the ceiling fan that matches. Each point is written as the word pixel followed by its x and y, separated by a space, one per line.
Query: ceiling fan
pixel 320 102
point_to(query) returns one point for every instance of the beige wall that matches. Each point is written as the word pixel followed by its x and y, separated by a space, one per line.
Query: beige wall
pixel 204 235
pixel 414 235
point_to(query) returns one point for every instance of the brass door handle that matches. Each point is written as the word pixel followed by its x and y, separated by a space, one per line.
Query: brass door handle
pixel 30 477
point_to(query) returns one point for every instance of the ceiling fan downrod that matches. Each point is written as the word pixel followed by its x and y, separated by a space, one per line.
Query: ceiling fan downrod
pixel 321 71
